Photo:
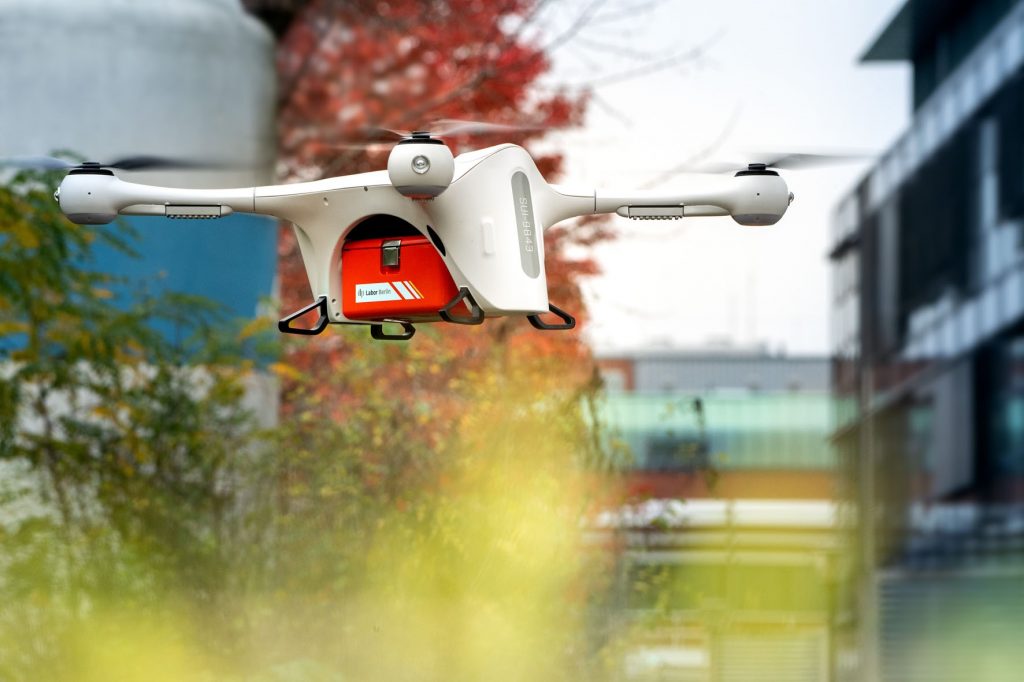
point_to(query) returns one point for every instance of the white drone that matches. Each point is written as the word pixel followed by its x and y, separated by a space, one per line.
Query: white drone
pixel 432 238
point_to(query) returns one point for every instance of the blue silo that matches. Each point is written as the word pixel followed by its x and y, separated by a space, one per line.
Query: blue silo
pixel 182 78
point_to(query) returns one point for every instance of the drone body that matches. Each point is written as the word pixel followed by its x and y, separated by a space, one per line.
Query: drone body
pixel 472 228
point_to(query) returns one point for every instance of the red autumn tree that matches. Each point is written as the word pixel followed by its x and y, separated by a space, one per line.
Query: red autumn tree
pixel 433 471
pixel 349 66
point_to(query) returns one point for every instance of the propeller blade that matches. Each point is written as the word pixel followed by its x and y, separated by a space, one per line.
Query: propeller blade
pixel 379 134
pixel 128 163
pixel 36 163
pixel 775 159
pixel 376 135
pixel 364 146
pixel 711 167
pixel 802 161
pixel 454 126
pixel 145 163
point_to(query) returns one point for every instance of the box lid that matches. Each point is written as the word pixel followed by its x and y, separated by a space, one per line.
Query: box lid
pixel 377 242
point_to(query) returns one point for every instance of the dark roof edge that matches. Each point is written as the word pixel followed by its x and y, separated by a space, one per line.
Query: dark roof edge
pixel 894 43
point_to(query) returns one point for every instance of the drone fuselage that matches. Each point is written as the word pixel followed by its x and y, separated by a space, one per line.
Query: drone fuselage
pixel 487 225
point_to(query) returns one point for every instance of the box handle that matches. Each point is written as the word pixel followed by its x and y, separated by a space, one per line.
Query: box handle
pixel 476 315
pixel 377 332
pixel 284 325
pixel 568 321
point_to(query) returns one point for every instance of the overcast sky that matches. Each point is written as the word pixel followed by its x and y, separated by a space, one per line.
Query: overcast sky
pixel 776 75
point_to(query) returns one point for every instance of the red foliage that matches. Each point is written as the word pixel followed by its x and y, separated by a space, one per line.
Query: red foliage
pixel 349 66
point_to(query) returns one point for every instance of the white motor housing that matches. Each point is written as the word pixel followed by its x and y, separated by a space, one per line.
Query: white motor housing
pixel 85 197
pixel 421 167
pixel 760 198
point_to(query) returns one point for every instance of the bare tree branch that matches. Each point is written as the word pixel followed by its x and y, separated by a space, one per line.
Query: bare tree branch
pixel 611 110
pixel 582 20
pixel 288 88
pixel 629 12
pixel 702 155
pixel 690 55
pixel 476 83
pixel 606 48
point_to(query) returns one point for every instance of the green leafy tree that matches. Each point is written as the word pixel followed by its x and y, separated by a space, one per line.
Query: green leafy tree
pixel 429 526
pixel 149 528
pixel 123 449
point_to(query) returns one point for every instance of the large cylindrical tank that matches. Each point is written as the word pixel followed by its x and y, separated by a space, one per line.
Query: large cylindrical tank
pixel 192 78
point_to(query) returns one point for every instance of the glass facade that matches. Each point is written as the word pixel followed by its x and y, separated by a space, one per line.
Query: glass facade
pixel 663 431
pixel 729 579
pixel 929 428
pixel 996 57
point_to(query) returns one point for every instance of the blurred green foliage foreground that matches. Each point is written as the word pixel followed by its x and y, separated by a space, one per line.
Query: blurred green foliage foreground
pixel 152 528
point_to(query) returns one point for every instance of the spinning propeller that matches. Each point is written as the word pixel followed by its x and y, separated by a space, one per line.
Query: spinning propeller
pixel 420 164
pixel 768 161
pixel 383 138
pixel 128 163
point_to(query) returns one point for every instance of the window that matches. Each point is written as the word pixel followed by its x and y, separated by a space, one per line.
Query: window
pixel 670 453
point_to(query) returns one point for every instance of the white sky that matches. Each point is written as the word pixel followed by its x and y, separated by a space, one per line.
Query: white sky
pixel 786 71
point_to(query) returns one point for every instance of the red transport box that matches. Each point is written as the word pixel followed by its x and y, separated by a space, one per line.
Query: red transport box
pixel 398 278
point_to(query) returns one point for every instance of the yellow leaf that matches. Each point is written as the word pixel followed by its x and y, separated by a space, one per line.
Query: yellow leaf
pixel 253 327
pixel 24 234
pixel 12 327
pixel 285 371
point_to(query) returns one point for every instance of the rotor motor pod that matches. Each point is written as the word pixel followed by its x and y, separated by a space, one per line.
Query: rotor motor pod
pixel 421 167
pixel 761 197
pixel 85 198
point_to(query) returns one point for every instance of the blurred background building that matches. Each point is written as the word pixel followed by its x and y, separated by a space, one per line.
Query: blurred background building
pixel 108 79
pixel 928 332
pixel 727 543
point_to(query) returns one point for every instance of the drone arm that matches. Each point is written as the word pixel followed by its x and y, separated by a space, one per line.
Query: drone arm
pixel 749 199
pixel 144 209
pixel 706 201
pixel 562 203
pixel 694 212
pixel 97 198
pixel 570 203
pixel 242 199
pixel 193 210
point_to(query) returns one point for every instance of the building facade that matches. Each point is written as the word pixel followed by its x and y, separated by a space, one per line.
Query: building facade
pixel 928 368
pixel 726 539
